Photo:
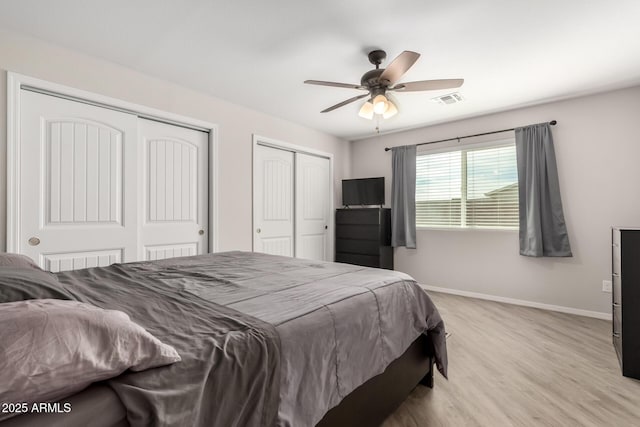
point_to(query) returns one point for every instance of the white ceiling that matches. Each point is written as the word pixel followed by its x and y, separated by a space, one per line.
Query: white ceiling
pixel 258 53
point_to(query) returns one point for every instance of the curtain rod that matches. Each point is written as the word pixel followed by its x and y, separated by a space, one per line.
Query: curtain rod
pixel 458 138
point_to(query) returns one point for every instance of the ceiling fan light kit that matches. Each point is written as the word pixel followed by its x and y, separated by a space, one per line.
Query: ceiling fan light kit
pixel 392 110
pixel 366 111
pixel 380 104
pixel 380 80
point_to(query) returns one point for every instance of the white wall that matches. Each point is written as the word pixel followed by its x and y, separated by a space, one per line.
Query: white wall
pixel 236 124
pixel 597 143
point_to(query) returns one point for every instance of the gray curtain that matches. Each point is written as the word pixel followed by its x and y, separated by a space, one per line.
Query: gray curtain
pixel 403 197
pixel 542 228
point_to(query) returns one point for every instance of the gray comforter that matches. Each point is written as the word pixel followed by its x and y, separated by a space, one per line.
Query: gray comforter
pixel 264 340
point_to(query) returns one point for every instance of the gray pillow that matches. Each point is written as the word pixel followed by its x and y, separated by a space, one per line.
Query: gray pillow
pixel 17 284
pixel 52 349
pixel 17 260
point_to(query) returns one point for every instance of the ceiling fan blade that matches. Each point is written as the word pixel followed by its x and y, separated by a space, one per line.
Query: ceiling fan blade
pixel 343 103
pixel 399 66
pixel 428 85
pixel 334 84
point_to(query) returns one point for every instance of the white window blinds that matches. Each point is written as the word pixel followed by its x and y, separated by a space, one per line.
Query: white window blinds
pixel 472 187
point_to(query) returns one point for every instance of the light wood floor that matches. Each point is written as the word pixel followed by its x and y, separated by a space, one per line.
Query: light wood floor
pixel 519 366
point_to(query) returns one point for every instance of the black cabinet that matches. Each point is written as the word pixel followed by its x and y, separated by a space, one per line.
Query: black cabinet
pixel 625 269
pixel 363 237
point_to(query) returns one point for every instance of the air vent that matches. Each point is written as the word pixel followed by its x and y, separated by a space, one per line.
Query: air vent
pixel 450 98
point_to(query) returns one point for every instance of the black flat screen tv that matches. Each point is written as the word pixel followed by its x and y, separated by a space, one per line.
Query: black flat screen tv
pixel 365 191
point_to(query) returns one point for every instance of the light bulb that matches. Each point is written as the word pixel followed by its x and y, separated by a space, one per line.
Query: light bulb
pixel 380 104
pixel 392 110
pixel 366 111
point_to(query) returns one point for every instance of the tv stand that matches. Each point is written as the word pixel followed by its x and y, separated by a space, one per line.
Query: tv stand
pixel 363 237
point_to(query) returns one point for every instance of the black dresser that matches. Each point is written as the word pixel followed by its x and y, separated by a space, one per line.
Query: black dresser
pixel 363 237
pixel 625 270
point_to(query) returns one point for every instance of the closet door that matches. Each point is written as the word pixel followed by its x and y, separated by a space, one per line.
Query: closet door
pixel 313 178
pixel 78 183
pixel 174 193
pixel 273 201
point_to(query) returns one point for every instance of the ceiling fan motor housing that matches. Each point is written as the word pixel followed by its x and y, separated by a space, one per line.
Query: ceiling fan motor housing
pixel 371 79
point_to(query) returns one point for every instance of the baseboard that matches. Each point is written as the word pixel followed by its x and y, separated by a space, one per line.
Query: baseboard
pixel 550 307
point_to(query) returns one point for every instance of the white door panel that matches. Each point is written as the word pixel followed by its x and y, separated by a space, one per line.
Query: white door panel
pixel 99 186
pixel 174 191
pixel 273 201
pixel 77 193
pixel 291 203
pixel 313 182
pixel 76 261
pixel 170 251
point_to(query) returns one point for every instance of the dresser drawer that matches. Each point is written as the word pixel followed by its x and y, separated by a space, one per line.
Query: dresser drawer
pixel 617 331
pixel 617 320
pixel 616 289
pixel 615 236
pixel 363 232
pixel 364 260
pixel 617 344
pixel 363 247
pixel 615 259
pixel 358 216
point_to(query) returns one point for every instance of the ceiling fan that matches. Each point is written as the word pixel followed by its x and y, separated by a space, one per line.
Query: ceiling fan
pixel 379 81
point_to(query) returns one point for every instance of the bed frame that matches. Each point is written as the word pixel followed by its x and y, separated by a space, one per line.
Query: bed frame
pixel 376 399
pixel 367 406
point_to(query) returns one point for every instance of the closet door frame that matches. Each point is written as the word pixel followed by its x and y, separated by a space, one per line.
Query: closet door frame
pixel 274 143
pixel 18 82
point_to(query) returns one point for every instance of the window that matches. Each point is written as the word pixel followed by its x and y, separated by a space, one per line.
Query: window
pixel 471 187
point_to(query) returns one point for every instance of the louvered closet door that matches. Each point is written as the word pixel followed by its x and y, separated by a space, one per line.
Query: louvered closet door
pixel 77 183
pixel 174 191
pixel 273 201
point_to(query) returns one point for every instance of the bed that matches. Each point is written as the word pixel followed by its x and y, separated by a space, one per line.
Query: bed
pixel 264 340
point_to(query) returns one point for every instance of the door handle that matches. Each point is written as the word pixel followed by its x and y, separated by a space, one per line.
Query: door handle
pixel 201 232
pixel 34 241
